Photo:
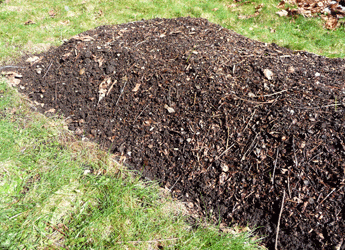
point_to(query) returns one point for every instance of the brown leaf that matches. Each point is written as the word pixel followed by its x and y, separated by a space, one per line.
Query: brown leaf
pixel 136 88
pixel 51 13
pixel 29 22
pixel 281 5
pixel 65 22
pixel 331 23
pixel 282 13
pixel 83 38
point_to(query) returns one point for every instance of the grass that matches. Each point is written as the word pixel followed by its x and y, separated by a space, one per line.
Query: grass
pixel 54 21
pixel 57 192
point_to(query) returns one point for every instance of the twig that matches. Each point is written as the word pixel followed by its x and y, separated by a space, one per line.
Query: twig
pixel 294 152
pixel 280 215
pixel 174 184
pixel 15 216
pixel 10 66
pixel 121 93
pixel 320 107
pixel 289 185
pixel 48 224
pixel 48 69
pixel 141 113
pixel 149 241
pixel 270 101
pixel 251 145
pixel 249 121
pixel 326 197
pixel 140 42
pixel 275 165
pixel 226 150
pixel 276 93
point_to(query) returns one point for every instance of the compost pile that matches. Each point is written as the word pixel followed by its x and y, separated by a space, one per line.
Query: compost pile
pixel 242 129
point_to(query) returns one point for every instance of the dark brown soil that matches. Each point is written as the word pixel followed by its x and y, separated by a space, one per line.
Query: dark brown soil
pixel 226 122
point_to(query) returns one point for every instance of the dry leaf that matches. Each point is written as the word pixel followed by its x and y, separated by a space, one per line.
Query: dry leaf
pixel 51 13
pixel 29 22
pixel 281 5
pixel 83 38
pixel 12 78
pixel 32 59
pixel 215 9
pixel 331 23
pixel 65 22
pixel 100 61
pixel 257 12
pixel 136 88
pixel 282 13
pixel 231 6
pixel 268 73
pixel 104 88
pixel 65 56
pixel 52 110
pixel 170 109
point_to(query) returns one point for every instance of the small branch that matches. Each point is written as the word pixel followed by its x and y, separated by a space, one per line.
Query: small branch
pixel 10 66
pixel 275 165
pixel 149 241
pixel 294 152
pixel 48 69
pixel 325 106
pixel 276 93
pixel 289 186
pixel 174 184
pixel 249 121
pixel 280 215
pixel 270 101
pixel 121 93
pixel 226 150
pixel 326 197
pixel 251 145
pixel 140 113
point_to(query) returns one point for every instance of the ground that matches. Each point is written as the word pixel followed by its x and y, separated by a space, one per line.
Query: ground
pixel 248 132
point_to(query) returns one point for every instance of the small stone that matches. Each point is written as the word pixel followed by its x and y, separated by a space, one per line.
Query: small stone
pixel 170 109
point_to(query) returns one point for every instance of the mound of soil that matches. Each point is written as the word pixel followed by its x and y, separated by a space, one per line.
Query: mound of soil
pixel 244 130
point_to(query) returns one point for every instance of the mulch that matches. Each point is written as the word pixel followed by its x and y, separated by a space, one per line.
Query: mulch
pixel 242 129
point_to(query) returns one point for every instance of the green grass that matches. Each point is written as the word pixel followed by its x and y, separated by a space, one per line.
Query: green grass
pixel 73 17
pixel 49 197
